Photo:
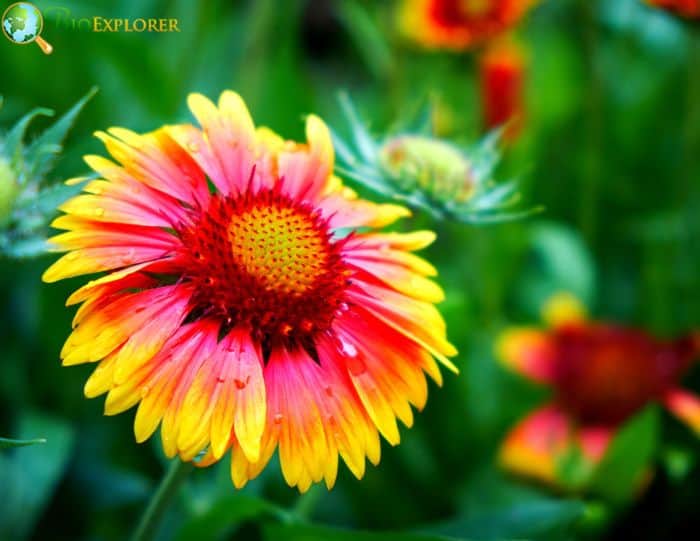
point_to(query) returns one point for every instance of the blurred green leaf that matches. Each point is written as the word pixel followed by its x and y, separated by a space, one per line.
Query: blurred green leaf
pixel 12 145
pixel 45 148
pixel 628 463
pixel 30 475
pixel 307 532
pixel 558 261
pixel 543 519
pixel 8 443
pixel 226 514
pixel 368 37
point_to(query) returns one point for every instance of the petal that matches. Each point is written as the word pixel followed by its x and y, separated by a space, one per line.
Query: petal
pixel 102 331
pixel 160 376
pixel 529 352
pixel 93 260
pixel 247 386
pixel 129 200
pixel 417 320
pixel 399 278
pixel 403 242
pixel 226 148
pixel 684 405
pixel 156 160
pixel 303 447
pixel 386 370
pixel 305 173
pixel 563 308
pixel 347 212
pixel 594 442
pixel 535 445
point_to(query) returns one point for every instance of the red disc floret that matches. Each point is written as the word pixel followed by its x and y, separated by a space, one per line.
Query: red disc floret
pixel 266 262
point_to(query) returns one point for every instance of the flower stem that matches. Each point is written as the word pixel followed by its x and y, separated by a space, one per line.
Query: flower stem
pixel 161 499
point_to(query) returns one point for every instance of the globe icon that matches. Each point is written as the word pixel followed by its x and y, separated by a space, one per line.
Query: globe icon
pixel 22 22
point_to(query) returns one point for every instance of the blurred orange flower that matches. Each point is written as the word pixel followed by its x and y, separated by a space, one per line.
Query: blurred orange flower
pixel 502 74
pixel 458 24
pixel 601 374
pixel 684 8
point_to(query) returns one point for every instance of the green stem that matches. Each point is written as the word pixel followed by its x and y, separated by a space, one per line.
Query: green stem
pixel 588 202
pixel 161 499
pixel 306 503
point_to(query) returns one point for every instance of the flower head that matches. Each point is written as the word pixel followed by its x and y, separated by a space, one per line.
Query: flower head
pixel 601 374
pixel 689 9
pixel 502 73
pixel 235 310
pixel 459 24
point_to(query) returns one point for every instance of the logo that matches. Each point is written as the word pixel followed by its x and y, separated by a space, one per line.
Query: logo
pixel 22 23
pixel 96 23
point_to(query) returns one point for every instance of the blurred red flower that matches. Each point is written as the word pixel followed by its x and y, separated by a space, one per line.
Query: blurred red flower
pixel 502 74
pixel 684 8
pixel 601 375
pixel 459 24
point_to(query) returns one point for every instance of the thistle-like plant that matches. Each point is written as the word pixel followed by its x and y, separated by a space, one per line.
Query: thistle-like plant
pixel 439 176
pixel 28 199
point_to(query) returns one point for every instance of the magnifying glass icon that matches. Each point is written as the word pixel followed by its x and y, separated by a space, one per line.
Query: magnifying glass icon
pixel 22 23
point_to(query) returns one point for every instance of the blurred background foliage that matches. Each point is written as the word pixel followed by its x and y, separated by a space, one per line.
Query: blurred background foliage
pixel 611 148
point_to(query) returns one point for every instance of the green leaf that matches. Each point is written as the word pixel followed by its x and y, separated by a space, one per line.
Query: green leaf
pixel 368 38
pixel 629 459
pixel 29 476
pixel 44 150
pixel 226 514
pixel 539 519
pixel 48 199
pixel 558 261
pixel 32 246
pixel 14 139
pixel 308 532
pixel 7 443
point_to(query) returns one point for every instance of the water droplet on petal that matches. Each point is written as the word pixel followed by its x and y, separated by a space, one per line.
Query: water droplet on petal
pixel 347 349
pixel 240 384
pixel 99 211
pixel 193 146
pixel 278 418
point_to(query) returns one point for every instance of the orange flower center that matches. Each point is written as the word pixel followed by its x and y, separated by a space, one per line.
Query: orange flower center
pixel 279 245
pixel 265 262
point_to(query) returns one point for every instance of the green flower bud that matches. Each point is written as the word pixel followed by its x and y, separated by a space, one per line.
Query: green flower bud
pixel 437 168
pixel 9 189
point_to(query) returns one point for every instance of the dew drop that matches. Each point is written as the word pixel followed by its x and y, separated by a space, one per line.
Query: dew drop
pixel 72 256
pixel 99 211
pixel 240 384
pixel 193 146
pixel 128 257
pixel 347 349
pixel 145 390
pixel 278 418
